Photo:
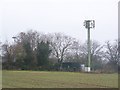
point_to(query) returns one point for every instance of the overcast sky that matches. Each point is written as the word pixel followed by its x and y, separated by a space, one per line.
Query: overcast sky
pixel 66 16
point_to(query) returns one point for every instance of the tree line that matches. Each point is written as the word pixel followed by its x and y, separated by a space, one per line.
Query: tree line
pixel 37 51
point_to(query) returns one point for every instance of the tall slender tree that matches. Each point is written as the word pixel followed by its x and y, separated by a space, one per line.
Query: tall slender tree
pixel 43 52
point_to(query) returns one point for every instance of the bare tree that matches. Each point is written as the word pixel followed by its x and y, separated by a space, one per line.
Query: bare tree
pixel 74 54
pixel 111 54
pixel 119 55
pixel 60 45
pixel 96 54
pixel 32 36
pixel 7 55
pixel 96 48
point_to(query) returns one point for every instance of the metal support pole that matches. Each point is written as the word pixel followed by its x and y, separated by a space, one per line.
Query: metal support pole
pixel 89 24
pixel 89 50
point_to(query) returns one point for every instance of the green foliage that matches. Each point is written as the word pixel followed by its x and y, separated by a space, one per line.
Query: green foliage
pixel 43 52
pixel 29 55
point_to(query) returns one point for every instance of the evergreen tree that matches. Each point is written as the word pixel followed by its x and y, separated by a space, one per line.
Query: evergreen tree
pixel 43 52
pixel 29 56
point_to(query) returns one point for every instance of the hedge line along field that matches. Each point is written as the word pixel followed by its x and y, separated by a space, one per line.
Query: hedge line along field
pixel 47 79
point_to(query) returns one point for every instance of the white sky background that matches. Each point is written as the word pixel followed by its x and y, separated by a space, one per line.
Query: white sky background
pixel 66 16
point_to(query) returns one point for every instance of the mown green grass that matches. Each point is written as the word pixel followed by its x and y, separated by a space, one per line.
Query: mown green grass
pixel 0 78
pixel 44 79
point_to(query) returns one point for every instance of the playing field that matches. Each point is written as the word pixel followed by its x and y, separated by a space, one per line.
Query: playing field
pixel 44 79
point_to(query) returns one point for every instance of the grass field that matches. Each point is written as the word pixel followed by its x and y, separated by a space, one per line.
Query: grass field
pixel 0 78
pixel 44 79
